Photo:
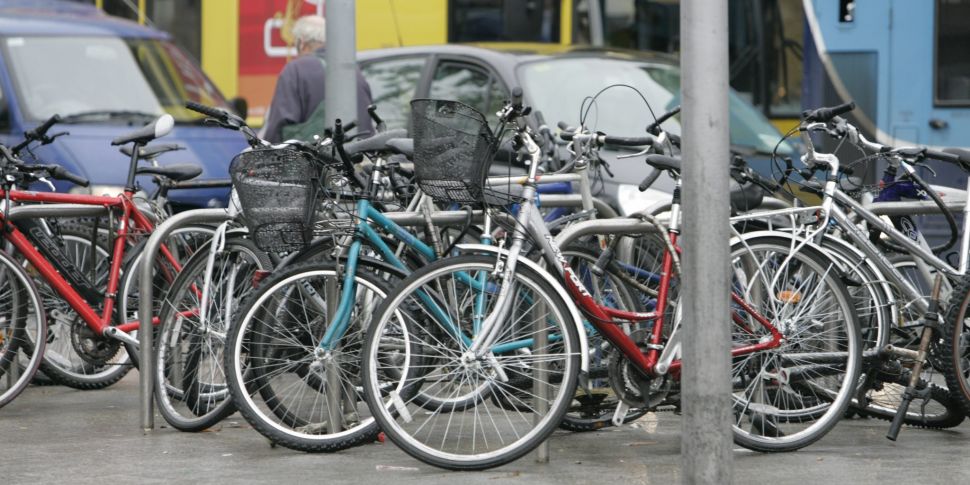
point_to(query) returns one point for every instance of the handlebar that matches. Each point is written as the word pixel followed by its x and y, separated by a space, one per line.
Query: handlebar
pixel 601 139
pixel 944 157
pixel 41 131
pixel 211 112
pixel 823 115
pixel 654 128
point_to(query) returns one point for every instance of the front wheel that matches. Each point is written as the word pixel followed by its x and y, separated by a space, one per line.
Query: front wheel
pixel 955 346
pixel 495 405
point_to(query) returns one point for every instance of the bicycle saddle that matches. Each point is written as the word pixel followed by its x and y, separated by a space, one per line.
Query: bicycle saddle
pixel 149 152
pixel 745 197
pixel 663 162
pixel 156 129
pixel 376 143
pixel 404 146
pixel 178 172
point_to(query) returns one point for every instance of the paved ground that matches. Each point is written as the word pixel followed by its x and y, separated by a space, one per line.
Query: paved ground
pixel 58 435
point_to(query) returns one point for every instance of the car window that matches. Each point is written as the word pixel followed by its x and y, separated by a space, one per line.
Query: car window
pixel 471 85
pixel 393 84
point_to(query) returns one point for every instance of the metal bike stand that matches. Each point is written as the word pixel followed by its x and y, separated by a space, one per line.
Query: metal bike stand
pixel 540 386
pixel 146 297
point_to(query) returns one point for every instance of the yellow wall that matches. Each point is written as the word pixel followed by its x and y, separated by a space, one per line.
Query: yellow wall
pixel 418 22
pixel 220 44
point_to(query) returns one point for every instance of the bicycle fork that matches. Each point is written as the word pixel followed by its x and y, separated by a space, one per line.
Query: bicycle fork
pixel 930 325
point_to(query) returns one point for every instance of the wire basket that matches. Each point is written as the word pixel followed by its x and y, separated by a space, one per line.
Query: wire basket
pixel 453 148
pixel 278 189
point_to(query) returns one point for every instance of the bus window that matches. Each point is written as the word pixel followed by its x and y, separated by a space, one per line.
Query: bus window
pixel 503 20
pixel 393 84
pixel 952 57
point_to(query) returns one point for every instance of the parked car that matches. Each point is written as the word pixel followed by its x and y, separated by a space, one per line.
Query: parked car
pixel 555 80
pixel 105 76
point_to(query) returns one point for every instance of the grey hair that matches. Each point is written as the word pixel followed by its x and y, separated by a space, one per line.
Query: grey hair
pixel 310 28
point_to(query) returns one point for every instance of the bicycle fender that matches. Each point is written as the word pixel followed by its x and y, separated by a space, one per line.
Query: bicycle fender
pixel 573 311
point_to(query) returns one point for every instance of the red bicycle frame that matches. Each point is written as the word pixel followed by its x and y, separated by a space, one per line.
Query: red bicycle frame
pixel 130 218
pixel 605 319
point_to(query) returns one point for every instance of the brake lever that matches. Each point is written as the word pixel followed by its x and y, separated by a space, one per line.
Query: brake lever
pixel 644 152
pixel 48 182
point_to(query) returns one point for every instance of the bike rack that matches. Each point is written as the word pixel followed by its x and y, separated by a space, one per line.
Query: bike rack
pixel 146 372
pixel 145 313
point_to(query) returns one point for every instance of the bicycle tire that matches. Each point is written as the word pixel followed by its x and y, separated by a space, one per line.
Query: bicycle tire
pixel 411 373
pixel 788 414
pixel 954 350
pixel 187 350
pixel 17 295
pixel 263 348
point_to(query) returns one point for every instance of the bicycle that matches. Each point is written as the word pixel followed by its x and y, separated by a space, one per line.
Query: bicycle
pixel 438 334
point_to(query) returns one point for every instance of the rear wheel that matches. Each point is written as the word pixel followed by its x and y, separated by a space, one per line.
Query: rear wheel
pixel 790 396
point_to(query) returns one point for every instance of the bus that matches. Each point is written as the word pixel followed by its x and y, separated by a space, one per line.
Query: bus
pixel 906 64
pixel 243 45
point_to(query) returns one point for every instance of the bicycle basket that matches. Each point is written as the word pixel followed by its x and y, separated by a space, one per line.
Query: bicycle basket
pixel 453 148
pixel 278 190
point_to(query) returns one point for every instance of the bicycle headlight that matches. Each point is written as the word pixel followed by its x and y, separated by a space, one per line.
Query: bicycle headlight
pixel 111 190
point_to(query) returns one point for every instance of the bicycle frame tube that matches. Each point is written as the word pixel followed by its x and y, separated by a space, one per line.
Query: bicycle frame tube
pixel 130 215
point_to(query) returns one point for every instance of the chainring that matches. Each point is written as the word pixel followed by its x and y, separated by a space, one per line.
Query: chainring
pixel 92 348
pixel 631 386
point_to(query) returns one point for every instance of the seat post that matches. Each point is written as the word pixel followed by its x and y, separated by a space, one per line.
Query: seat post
pixel 133 167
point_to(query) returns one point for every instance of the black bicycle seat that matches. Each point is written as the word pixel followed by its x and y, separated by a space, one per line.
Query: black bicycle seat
pixel 178 172
pixel 745 197
pixel 151 151
pixel 376 143
pixel 156 129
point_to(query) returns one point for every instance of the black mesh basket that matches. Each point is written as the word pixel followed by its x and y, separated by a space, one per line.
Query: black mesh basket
pixel 278 190
pixel 453 148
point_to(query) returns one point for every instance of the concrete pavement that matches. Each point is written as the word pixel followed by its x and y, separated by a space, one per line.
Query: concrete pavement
pixel 59 435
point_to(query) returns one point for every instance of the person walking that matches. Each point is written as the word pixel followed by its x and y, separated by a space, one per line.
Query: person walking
pixel 297 109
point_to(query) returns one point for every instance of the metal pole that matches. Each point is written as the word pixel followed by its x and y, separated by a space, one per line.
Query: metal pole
pixel 706 380
pixel 146 296
pixel 341 56
pixel 596 36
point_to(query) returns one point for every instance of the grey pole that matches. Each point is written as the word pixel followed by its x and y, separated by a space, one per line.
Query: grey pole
pixel 706 445
pixel 145 311
pixel 341 88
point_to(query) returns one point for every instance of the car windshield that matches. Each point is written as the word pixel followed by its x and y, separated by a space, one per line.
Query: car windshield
pixel 101 78
pixel 619 111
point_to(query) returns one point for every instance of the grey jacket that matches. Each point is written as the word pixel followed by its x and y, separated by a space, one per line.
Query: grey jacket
pixel 300 89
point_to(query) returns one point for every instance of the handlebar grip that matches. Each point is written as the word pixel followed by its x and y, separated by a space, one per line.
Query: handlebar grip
pixel 566 136
pixel 628 141
pixel 664 117
pixel 517 96
pixel 206 110
pixel 647 182
pixel 565 126
pixel 372 111
pixel 943 156
pixel 62 174
pixel 826 114
pixel 41 130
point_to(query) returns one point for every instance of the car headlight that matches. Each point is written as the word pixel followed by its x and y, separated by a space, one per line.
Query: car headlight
pixel 111 190
pixel 631 200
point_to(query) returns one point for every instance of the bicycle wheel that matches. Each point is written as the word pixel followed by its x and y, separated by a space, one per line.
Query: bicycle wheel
pixel 790 396
pixel 190 382
pixel 22 319
pixel 288 387
pixel 418 347
pixel 76 356
pixel 932 408
pixel 955 346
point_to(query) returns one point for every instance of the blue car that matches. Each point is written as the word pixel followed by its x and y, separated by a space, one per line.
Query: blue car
pixel 105 76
